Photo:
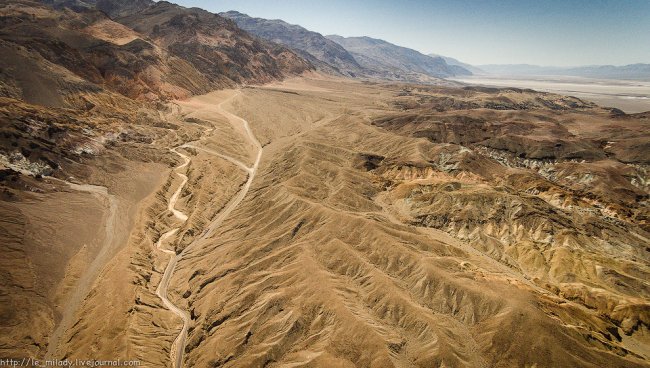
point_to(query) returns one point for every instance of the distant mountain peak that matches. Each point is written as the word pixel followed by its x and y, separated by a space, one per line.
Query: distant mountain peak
pixel 143 49
pixel 397 61
pixel 637 71
pixel 455 62
pixel 326 55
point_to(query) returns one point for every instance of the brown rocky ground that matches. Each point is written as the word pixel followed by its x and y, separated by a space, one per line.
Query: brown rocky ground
pixel 84 149
pixel 388 225
pixel 546 263
pixel 155 52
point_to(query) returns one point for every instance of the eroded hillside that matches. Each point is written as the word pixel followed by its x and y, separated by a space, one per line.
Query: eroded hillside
pixel 310 222
pixel 161 52
pixel 400 230
pixel 364 243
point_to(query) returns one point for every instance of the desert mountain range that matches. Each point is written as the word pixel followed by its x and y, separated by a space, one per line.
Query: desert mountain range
pixel 354 56
pixel 186 189
pixel 164 51
pixel 638 71
pixel 325 54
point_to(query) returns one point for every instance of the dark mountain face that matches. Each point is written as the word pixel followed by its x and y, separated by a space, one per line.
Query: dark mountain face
pixel 60 51
pixel 324 53
pixel 356 56
pixel 174 52
pixel 112 8
pixel 214 45
pixel 384 57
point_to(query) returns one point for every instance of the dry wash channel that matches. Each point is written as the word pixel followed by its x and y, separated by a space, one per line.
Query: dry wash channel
pixel 335 257
pixel 176 353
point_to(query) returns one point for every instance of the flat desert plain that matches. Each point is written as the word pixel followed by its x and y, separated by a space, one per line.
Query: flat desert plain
pixel 630 96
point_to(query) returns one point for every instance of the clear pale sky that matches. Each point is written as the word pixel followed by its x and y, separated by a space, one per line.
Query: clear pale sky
pixel 542 32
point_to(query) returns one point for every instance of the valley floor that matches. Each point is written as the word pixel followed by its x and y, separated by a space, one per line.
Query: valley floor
pixel 335 223
pixel 629 96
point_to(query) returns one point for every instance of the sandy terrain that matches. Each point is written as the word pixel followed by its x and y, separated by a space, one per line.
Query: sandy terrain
pixel 178 347
pixel 313 222
pixel 331 223
pixel 629 96
pixel 321 266
pixel 52 235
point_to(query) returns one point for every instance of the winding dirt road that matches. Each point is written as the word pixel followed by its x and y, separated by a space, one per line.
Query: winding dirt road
pixel 178 347
pixel 161 290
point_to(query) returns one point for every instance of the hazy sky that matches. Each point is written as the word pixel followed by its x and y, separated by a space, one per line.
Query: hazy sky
pixel 544 32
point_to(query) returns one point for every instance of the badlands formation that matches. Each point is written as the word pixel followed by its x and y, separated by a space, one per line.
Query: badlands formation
pixel 320 222
pixel 177 192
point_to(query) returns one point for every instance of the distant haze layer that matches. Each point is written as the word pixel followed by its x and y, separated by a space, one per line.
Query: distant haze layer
pixel 637 71
pixel 551 32
pixel 629 96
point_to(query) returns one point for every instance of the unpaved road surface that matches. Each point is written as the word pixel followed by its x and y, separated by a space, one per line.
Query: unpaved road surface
pixel 178 347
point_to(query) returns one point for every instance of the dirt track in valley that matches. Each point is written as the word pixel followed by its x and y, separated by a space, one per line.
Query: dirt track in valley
pixel 176 353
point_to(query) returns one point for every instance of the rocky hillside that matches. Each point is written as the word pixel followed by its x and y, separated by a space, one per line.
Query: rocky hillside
pixel 355 57
pixel 214 45
pixel 325 54
pixel 112 8
pixel 415 226
pixel 85 140
pixel 164 52
pixel 395 61
pixel 313 222
pixel 455 62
